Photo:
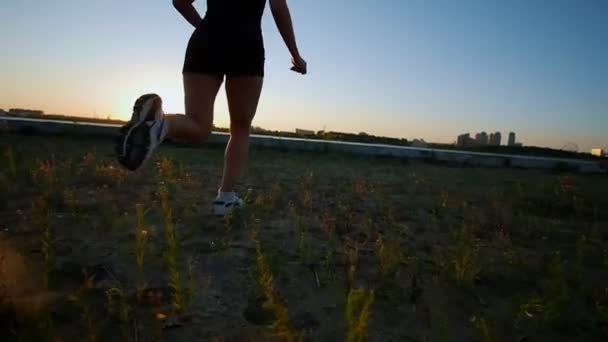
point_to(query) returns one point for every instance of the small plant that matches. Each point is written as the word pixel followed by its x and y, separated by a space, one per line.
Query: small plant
pixel 567 192
pixel 90 158
pixel 344 217
pixel 308 179
pixel 550 307
pixel 578 205
pixel 5 298
pixel 141 242
pixel 581 250
pixel 108 171
pixel 282 326
pixel 70 201
pixel 259 207
pixel 482 326
pixel 389 255
pixel 301 231
pixel 361 187
pixel 533 309
pixel 351 253
pixel 181 172
pixel 189 290
pixel 79 298
pixel 557 296
pixel 328 224
pixel 165 170
pixel 10 161
pixel 88 323
pixel 178 299
pixel 275 194
pixel 601 306
pixel 6 185
pixel 117 306
pixel 441 205
pixel 116 303
pixel 387 217
pixel 327 264
pixel 357 314
pixel 465 264
pixel 502 238
pixel 306 200
pixel 442 325
pixel 46 253
pixel 44 175
pixel 41 219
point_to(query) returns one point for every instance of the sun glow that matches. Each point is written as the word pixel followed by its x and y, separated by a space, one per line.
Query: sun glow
pixel 170 90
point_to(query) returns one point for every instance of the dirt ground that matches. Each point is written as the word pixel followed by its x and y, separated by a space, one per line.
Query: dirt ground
pixel 329 248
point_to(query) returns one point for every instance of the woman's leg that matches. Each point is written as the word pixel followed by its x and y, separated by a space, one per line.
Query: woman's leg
pixel 243 93
pixel 148 126
pixel 200 91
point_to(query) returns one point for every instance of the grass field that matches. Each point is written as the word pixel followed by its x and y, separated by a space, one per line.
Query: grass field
pixel 329 248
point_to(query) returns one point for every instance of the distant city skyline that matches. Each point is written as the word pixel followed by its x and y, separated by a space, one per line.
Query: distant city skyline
pixel 406 69
pixel 464 139
pixel 512 139
pixel 485 139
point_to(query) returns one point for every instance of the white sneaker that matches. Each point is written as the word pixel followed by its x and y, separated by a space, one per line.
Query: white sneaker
pixel 143 133
pixel 225 204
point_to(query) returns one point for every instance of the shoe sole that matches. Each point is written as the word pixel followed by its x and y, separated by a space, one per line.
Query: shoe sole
pixel 133 143
pixel 221 210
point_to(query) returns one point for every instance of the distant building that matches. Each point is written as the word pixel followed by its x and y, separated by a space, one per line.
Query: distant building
pixel 598 152
pixel 511 139
pixel 495 139
pixel 304 132
pixel 2 112
pixel 20 112
pixel 462 139
pixel 465 140
pixel 481 138
pixel 419 143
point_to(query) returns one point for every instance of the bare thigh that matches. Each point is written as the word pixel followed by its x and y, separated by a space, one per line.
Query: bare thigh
pixel 243 94
pixel 200 91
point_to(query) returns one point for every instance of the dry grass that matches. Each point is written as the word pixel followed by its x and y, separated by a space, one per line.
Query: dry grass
pixel 357 314
pixel 343 249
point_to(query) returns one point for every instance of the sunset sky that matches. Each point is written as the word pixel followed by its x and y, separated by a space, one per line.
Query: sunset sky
pixel 404 68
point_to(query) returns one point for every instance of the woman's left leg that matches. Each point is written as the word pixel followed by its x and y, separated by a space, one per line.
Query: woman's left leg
pixel 243 93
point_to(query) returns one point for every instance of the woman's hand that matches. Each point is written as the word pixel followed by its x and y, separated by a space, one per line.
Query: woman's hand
pixel 282 18
pixel 299 65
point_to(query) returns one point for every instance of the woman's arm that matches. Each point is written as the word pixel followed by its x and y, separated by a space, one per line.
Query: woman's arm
pixel 187 10
pixel 282 18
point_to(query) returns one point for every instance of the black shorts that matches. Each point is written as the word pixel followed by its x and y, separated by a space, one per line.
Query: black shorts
pixel 216 50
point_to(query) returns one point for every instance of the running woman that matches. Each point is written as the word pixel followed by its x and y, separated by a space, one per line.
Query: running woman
pixel 226 44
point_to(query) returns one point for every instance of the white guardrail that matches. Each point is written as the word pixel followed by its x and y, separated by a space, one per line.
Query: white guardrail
pixel 14 124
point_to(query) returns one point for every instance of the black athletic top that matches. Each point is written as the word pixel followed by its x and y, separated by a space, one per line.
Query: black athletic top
pixel 239 13
pixel 230 10
pixel 235 22
pixel 229 40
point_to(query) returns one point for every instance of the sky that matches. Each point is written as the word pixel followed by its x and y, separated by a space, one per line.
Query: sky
pixel 428 69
